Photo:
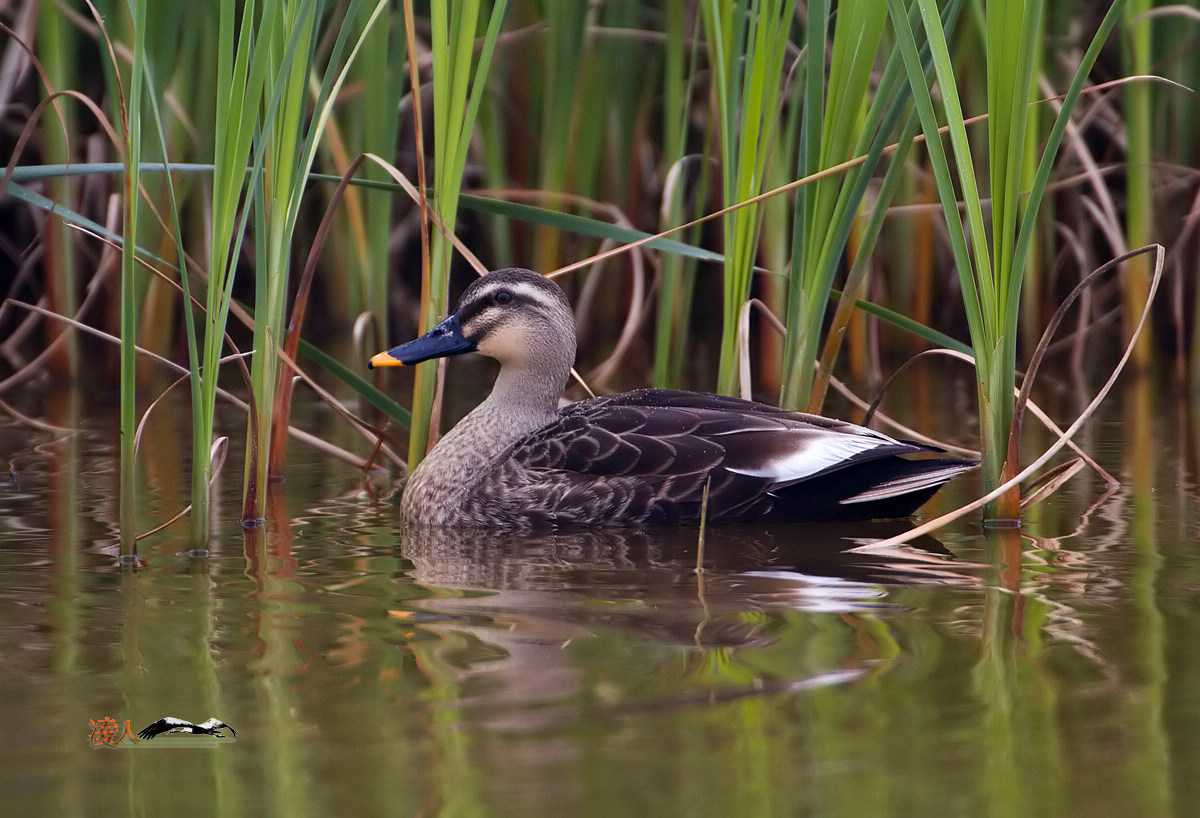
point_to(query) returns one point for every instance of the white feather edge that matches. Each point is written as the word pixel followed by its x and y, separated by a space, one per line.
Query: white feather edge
pixel 907 485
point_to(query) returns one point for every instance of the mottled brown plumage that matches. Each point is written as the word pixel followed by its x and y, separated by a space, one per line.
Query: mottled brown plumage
pixel 638 458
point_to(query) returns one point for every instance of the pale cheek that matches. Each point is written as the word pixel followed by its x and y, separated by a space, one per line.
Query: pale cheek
pixel 505 344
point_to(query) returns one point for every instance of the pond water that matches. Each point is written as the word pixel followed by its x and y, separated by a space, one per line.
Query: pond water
pixel 367 670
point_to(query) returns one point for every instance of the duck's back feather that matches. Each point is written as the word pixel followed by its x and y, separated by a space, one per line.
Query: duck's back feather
pixel 643 457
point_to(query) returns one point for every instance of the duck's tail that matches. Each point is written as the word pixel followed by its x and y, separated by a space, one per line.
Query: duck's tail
pixel 887 488
pixel 921 477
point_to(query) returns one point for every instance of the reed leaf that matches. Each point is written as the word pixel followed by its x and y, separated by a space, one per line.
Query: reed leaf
pixel 1139 133
pixel 746 40
pixel 382 91
pixel 677 274
pixel 241 76
pixel 192 329
pixel 459 82
pixel 991 263
pixel 566 28
pixel 132 127
pixel 58 46
pixel 835 118
pixel 288 34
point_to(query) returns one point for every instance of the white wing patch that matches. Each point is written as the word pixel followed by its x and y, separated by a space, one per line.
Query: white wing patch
pixel 813 456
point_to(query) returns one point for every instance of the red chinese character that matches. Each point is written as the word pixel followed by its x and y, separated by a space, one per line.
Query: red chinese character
pixel 106 731
pixel 103 731
pixel 128 734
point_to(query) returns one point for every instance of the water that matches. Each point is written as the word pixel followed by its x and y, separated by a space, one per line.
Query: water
pixel 370 671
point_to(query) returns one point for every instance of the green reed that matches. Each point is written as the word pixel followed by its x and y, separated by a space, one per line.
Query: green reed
pixel 58 46
pixel 132 128
pixel 991 261
pixel 377 116
pixel 566 24
pixel 241 77
pixel 747 41
pixel 1139 171
pixel 849 121
pixel 678 273
pixel 832 130
pixel 459 83
pixel 289 32
pixel 261 94
pixel 200 492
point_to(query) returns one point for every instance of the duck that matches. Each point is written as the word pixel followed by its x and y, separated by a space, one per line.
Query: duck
pixel 633 459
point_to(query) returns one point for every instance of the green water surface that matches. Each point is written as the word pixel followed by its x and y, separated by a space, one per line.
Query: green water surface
pixel 370 671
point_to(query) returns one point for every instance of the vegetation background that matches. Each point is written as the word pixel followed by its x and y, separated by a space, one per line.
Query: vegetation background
pixel 956 171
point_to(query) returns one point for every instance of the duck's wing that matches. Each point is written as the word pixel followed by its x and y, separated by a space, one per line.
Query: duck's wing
pixel 655 449
pixel 668 432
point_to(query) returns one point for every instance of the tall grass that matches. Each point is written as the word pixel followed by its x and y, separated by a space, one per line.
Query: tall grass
pixel 262 156
pixel 565 48
pixel 58 45
pixel 131 122
pixel 241 71
pixel 678 273
pixel 459 83
pixel 379 120
pixel 747 41
pixel 836 126
pixel 991 262
pixel 287 33
pixel 1137 45
pixel 292 32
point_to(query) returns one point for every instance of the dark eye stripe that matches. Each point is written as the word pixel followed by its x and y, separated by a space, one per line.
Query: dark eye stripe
pixel 482 297
pixel 469 311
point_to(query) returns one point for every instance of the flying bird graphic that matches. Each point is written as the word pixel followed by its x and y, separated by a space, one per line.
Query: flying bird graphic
pixel 212 727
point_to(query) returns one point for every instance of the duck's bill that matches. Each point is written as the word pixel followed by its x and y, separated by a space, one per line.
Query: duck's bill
pixel 443 340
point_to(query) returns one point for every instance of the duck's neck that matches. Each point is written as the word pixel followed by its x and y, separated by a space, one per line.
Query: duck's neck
pixel 525 398
pixel 521 402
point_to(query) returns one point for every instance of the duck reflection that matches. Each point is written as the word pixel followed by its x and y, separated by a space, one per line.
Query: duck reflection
pixel 742 565
pixel 515 613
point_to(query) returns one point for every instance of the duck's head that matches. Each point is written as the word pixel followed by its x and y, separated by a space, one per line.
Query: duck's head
pixel 520 318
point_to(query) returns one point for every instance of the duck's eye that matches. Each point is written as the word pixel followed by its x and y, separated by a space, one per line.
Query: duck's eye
pixel 503 297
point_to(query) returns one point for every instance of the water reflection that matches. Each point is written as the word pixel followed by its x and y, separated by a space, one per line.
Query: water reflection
pixel 659 559
pixel 515 612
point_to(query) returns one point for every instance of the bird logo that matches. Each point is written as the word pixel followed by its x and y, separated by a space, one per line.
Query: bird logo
pixel 170 724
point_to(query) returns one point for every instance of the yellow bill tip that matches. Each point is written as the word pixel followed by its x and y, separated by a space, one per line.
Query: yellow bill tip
pixel 385 359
